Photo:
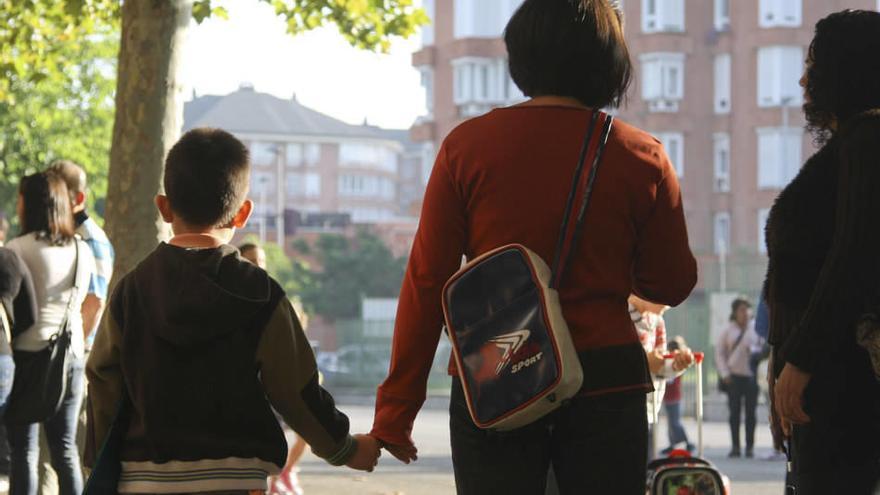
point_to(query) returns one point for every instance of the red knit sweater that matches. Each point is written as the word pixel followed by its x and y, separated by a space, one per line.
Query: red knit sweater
pixel 504 178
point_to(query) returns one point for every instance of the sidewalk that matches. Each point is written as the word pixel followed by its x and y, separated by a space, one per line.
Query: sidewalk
pixel 432 473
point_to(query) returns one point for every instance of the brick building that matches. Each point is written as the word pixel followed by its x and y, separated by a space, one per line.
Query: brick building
pixel 716 81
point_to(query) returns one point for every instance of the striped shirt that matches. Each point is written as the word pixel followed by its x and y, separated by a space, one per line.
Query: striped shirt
pixel 103 253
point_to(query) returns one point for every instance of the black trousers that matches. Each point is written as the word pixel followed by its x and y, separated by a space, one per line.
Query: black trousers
pixel 594 444
pixel 838 451
pixel 742 391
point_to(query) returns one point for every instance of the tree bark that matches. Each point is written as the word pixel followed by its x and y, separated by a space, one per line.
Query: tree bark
pixel 149 116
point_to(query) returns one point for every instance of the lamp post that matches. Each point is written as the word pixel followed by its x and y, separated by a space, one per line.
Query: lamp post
pixel 264 210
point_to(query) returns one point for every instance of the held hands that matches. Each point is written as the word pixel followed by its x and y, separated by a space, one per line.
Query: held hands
pixel 788 397
pixel 403 453
pixel 656 361
pixel 367 454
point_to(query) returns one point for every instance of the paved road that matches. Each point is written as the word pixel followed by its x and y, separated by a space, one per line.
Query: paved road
pixel 432 473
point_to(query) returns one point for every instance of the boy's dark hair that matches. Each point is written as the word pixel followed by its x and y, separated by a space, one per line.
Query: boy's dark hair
pixel 843 70
pixel 46 209
pixel 206 177
pixel 572 48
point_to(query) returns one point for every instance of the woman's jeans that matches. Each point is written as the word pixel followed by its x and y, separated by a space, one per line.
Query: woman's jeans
pixel 7 372
pixel 676 431
pixel 61 437
pixel 594 444
pixel 743 390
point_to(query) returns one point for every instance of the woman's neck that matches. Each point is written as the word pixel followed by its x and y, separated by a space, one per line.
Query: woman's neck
pixel 553 101
pixel 196 241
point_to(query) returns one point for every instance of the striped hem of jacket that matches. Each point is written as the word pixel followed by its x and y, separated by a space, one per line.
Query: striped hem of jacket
pixel 208 475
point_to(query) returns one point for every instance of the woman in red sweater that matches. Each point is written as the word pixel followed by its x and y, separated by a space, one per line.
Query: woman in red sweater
pixel 504 178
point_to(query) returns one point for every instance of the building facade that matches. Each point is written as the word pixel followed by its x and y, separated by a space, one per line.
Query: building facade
pixel 307 167
pixel 715 80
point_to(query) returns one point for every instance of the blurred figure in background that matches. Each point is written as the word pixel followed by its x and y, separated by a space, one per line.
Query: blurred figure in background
pixel 672 405
pixel 733 353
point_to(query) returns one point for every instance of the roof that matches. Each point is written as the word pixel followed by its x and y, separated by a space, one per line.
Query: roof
pixel 247 111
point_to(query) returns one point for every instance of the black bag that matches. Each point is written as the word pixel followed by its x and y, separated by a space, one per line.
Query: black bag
pixel 511 344
pixel 41 378
pixel 104 478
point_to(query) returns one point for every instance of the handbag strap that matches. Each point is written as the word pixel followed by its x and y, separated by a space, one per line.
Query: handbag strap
pixel 564 250
pixel 77 269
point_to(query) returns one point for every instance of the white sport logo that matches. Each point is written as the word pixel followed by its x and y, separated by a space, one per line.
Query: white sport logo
pixel 510 343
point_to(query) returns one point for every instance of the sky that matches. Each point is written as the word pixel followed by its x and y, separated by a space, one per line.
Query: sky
pixel 320 67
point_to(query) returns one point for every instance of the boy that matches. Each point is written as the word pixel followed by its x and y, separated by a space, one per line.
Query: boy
pixel 200 339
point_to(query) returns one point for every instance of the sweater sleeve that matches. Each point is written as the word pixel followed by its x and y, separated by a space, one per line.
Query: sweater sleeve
pixel 848 281
pixel 290 379
pixel 105 380
pixel 722 355
pixel 665 270
pixel 436 255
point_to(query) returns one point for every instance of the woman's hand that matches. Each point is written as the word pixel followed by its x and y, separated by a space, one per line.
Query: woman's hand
pixel 775 423
pixel 788 397
pixel 684 359
pixel 403 453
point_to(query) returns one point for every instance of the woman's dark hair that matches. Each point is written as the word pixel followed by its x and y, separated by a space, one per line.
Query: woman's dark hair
pixel 46 208
pixel 572 48
pixel 738 303
pixel 843 70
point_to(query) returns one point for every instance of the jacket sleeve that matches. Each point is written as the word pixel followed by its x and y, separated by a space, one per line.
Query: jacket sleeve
pixel 436 255
pixel 290 379
pixel 848 281
pixel 665 270
pixel 105 379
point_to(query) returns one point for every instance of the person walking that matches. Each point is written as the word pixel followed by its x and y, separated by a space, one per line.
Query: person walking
pixel 58 263
pixel 504 178
pixel 823 277
pixel 733 353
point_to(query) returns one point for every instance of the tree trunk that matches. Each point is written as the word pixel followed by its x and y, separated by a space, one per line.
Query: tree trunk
pixel 148 122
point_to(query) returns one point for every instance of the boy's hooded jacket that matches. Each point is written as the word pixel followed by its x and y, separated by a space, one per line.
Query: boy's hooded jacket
pixel 205 343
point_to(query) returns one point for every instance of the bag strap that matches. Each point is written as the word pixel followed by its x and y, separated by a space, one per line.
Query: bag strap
pixel 564 252
pixel 77 269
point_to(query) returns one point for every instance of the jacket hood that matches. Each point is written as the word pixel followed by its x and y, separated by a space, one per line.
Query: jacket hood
pixel 198 295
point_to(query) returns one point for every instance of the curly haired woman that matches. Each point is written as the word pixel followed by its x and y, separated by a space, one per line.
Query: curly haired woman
pixel 824 272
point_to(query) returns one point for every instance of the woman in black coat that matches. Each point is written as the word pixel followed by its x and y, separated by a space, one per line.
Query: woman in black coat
pixel 823 238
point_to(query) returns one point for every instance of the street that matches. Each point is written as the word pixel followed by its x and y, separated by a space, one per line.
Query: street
pixel 432 473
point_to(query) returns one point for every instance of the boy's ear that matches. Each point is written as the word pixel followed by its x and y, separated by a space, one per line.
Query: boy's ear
pixel 244 213
pixel 164 208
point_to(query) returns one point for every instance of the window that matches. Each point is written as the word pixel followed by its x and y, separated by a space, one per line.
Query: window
pixel 480 84
pixel 260 182
pixel 427 73
pixel 263 153
pixel 428 29
pixel 482 18
pixel 722 233
pixel 299 154
pixel 366 186
pixel 779 70
pixel 722 83
pixel 673 142
pixel 662 80
pixel 662 16
pixel 369 215
pixel 428 157
pixel 779 156
pixel 722 15
pixel 763 215
pixel 367 155
pixel 779 13
pixel 303 184
pixel 722 162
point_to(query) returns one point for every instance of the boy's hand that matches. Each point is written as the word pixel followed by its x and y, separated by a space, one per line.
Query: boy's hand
pixel 367 455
